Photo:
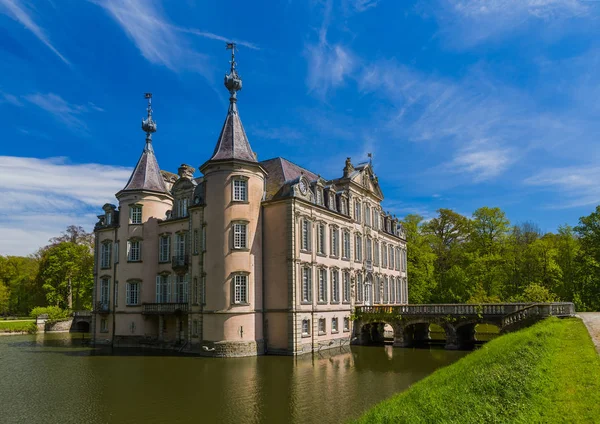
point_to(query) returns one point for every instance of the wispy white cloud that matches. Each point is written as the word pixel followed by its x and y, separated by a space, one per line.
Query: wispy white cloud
pixel 10 99
pixel 160 41
pixel 281 134
pixel 17 11
pixel 574 185
pixel 465 23
pixel 481 160
pixel 360 5
pixel 67 113
pixel 43 196
pixel 329 64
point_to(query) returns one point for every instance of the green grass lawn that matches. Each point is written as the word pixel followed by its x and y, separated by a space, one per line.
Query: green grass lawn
pixel 19 326
pixel 548 373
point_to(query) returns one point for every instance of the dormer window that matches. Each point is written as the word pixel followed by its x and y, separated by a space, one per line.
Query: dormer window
pixel 240 189
pixel 182 207
pixel 319 195
pixel 135 214
pixel 332 202
pixel 108 218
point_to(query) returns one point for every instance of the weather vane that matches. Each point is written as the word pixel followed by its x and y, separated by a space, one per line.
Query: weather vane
pixel 233 82
pixel 148 124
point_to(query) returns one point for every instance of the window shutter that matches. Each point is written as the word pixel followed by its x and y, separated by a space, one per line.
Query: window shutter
pixel 169 280
pixel 128 293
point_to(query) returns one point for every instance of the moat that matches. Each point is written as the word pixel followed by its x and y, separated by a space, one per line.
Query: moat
pixel 57 378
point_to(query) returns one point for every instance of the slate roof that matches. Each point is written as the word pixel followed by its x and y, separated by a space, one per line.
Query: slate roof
pixel 232 142
pixel 146 175
pixel 281 171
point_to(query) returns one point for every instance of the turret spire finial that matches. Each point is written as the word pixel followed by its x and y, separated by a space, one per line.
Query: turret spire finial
pixel 148 124
pixel 233 82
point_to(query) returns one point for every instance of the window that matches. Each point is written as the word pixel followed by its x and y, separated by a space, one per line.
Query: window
pixel 105 254
pixel 335 241
pixel 321 239
pixel 203 291
pixel 377 290
pixel 357 247
pixel 322 285
pixel 103 325
pixel 133 293
pixel 334 325
pixel 404 260
pixel 392 290
pixel 116 252
pixel 135 214
pixel 164 248
pixel 357 208
pixel 195 328
pixel 181 289
pixel 163 289
pixel 332 202
pixel 240 192
pixel 240 289
pixel 240 235
pixel 391 257
pixel 359 288
pixel 306 285
pixel 322 327
pixel 116 298
pixel 305 327
pixel 346 245
pixel 369 249
pixel 367 215
pixel 104 291
pixel 204 239
pixel 385 290
pixel 319 195
pixel 376 258
pixel 346 324
pixel 344 206
pixel 195 242
pixel 196 293
pixel 335 286
pixel 399 293
pixel 383 255
pixel 182 207
pixel 180 242
pixel 375 219
pixel 134 251
pixel 108 218
pixel 305 235
pixel 346 293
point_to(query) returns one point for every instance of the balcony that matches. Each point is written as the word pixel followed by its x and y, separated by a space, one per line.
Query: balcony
pixel 180 262
pixel 165 308
pixel 102 307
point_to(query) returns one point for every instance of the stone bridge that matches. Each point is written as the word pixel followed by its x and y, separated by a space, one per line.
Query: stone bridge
pixel 82 321
pixel 411 322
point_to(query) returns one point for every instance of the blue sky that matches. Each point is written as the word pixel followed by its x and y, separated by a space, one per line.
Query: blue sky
pixel 463 104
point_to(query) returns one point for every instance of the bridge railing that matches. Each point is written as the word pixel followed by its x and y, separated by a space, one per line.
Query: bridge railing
pixel 82 314
pixel 164 308
pixel 497 309
pixel 538 311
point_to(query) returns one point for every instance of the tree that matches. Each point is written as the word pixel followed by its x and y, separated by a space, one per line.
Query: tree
pixel 420 260
pixel 4 299
pixel 76 235
pixel 489 229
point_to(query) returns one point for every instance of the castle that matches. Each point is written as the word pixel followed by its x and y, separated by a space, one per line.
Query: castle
pixel 249 258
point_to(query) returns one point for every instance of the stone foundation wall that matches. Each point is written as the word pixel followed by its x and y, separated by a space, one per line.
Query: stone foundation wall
pixel 227 349
pixel 58 326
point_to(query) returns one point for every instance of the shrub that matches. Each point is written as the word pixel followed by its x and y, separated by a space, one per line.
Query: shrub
pixel 54 312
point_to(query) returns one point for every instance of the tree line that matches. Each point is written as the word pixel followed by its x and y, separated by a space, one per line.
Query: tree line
pixel 483 258
pixel 59 274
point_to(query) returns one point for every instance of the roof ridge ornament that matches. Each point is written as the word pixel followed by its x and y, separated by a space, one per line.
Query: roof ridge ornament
pixel 233 82
pixel 148 124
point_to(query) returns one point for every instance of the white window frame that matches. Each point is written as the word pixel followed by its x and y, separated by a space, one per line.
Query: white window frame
pixel 240 235
pixel 180 245
pixel 306 276
pixel 104 290
pixel 346 324
pixel 239 189
pixel 321 239
pixel 134 250
pixel 335 241
pixel 305 239
pixel 164 248
pixel 240 289
pixel 322 326
pixel 182 207
pixel 322 285
pixel 135 214
pixel 163 288
pixel 347 245
pixel 357 210
pixel 357 247
pixel 116 252
pixel 386 287
pixel 108 218
pixel 334 325
pixel 346 286
pixel 335 286
pixel 305 327
pixel 180 294
pixel 105 254
pixel 359 289
pixel 132 295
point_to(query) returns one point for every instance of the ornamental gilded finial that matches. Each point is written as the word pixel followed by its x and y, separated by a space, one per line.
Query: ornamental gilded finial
pixel 233 82
pixel 148 124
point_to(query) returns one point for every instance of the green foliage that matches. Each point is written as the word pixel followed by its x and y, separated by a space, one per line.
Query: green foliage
pixel 547 373
pixel 54 312
pixel 4 299
pixel 483 259
pixel 18 327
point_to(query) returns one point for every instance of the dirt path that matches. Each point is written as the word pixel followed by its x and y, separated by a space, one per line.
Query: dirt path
pixel 592 322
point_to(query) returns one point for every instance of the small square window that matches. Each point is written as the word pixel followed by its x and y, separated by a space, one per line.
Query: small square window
pixel 240 289
pixel 240 232
pixel 135 214
pixel 322 326
pixel 346 324
pixel 240 190
pixel 104 325
pixel 305 327
pixel 334 325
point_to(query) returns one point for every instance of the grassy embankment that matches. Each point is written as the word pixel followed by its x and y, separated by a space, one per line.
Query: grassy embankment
pixel 18 326
pixel 548 373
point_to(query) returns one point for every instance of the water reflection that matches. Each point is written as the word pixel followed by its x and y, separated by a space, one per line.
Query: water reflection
pixel 71 382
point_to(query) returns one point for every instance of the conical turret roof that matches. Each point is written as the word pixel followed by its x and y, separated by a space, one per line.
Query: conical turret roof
pixel 146 175
pixel 233 142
